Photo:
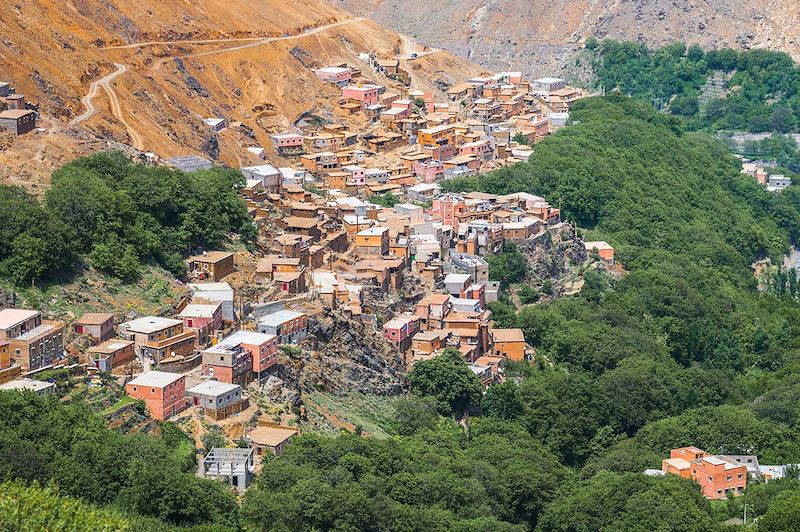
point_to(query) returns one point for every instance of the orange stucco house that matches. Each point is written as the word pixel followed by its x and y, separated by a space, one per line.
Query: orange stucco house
pixel 163 393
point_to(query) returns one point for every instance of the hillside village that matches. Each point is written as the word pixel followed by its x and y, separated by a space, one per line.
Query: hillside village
pixel 366 262
pixel 355 233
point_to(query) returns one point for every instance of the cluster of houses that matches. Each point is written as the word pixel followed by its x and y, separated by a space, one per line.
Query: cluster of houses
pixel 772 182
pixel 332 246
pixel 719 476
pixel 16 114
pixel 345 217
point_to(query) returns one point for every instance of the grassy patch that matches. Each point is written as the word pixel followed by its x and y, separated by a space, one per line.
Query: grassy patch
pixel 123 401
pixel 92 291
pixel 373 413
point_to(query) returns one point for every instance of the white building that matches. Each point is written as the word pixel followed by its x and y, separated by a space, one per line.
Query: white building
pixel 221 292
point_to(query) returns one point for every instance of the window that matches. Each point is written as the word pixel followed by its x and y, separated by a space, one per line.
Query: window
pixel 729 478
pixel 152 390
pixel 739 477
pixel 710 479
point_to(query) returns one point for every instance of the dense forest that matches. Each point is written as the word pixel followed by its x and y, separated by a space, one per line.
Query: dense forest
pixel 115 215
pixel 753 90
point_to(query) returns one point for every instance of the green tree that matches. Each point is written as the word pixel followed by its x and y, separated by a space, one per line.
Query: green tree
pixel 783 515
pixel 520 138
pixel 414 413
pixel 387 199
pixel 503 401
pixel 213 437
pixel 507 267
pixel 447 378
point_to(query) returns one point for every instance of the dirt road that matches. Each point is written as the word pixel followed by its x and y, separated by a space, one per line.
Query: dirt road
pixel 409 47
pixel 94 88
pixel 116 107
pixel 251 44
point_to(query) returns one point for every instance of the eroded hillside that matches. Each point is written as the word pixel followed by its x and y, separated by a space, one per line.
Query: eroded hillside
pixel 541 36
pixel 151 71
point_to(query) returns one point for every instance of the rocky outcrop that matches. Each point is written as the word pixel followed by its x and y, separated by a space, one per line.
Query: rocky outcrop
pixel 341 355
pixel 555 257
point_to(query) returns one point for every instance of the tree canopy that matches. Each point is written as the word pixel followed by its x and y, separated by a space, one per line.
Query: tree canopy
pixel 118 214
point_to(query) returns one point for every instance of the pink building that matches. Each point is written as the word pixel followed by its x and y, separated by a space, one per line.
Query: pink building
pixel 196 316
pixel 357 177
pixel 447 207
pixel 337 75
pixel 399 331
pixel 480 148
pixel 366 94
pixel 163 393
pixel 204 319
pixel 286 143
pixel 433 309
pixel 427 97
pixel 429 172
pixel 403 104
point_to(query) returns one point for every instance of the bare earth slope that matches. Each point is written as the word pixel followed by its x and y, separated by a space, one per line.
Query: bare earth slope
pixel 146 73
pixel 541 36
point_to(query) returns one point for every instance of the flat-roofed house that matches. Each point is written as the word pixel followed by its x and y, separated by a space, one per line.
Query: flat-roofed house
pixel 457 283
pixel 214 292
pixel 30 385
pixel 163 393
pixel 158 338
pixel 33 343
pixel 217 399
pixel 271 438
pixel 367 94
pixel 271 178
pixel 287 143
pixel 399 331
pixel 203 318
pixel 111 354
pixel 288 325
pixel 339 76
pixel 97 326
pixel 372 242
pixel 433 309
pixel 18 121
pixel 263 348
pixel 228 362
pixel 603 249
pixel 210 266
pixel 509 343
pixel 302 226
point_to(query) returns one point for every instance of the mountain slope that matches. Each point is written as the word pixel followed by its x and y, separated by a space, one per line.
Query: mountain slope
pixel 541 36
pixel 153 70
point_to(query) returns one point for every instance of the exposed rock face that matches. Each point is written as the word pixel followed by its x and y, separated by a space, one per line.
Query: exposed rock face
pixel 342 355
pixel 551 255
pixel 541 37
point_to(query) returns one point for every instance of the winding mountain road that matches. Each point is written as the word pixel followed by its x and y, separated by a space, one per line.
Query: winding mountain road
pixel 94 88
pixel 116 107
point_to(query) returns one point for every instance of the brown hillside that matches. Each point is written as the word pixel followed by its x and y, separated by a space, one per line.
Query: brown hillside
pixel 173 63
pixel 541 36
